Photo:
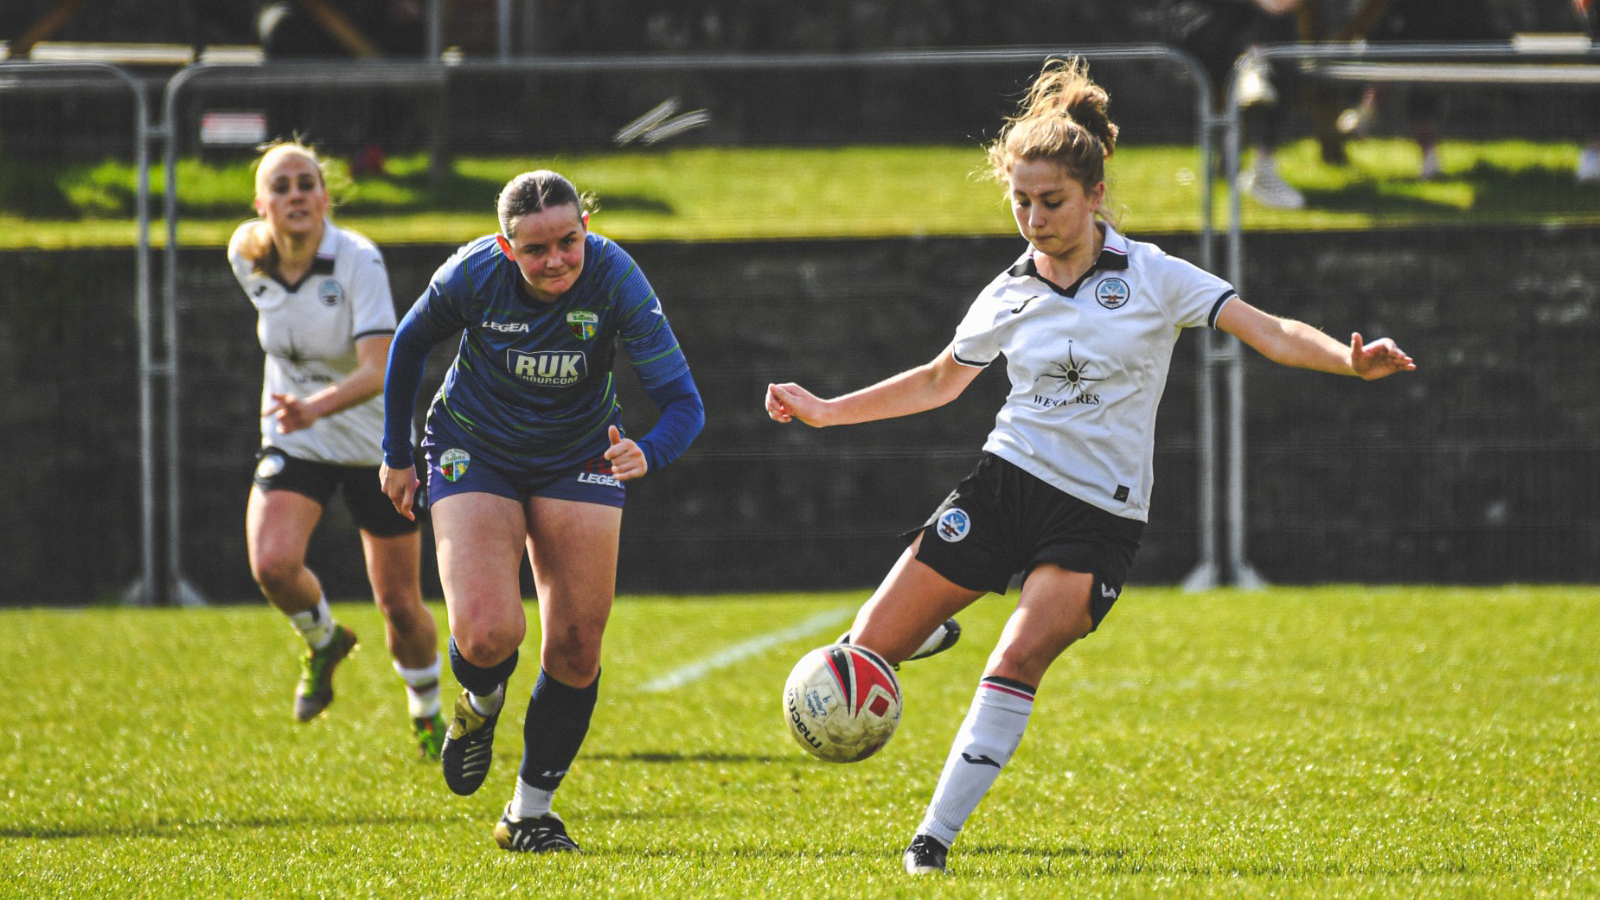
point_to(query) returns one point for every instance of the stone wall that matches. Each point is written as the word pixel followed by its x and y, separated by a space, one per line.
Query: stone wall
pixel 1478 468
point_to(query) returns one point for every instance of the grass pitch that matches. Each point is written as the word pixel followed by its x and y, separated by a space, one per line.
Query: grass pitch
pixel 1340 742
pixel 725 193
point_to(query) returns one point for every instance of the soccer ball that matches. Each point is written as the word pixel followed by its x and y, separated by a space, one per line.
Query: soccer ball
pixel 842 702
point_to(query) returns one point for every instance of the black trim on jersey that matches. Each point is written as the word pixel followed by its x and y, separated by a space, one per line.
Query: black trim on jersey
pixel 322 265
pixel 1108 260
pixel 376 332
pixel 1216 308
pixel 969 362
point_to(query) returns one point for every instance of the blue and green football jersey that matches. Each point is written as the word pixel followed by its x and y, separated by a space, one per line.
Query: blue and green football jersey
pixel 532 382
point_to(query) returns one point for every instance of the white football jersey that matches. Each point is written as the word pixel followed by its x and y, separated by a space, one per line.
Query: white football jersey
pixel 309 332
pixel 1088 364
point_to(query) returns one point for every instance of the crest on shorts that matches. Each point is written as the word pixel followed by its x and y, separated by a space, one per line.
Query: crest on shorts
pixel 1112 293
pixel 453 464
pixel 330 292
pixel 582 324
pixel 270 465
pixel 953 524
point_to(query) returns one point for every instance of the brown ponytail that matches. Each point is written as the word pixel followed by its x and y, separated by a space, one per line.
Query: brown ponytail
pixel 1063 120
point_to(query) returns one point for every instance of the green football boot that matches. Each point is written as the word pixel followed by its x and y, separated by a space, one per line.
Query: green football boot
pixel 315 690
pixel 430 736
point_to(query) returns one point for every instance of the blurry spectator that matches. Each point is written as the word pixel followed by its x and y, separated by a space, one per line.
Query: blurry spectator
pixel 1417 22
pixel 1589 158
pixel 1217 33
pixel 385 28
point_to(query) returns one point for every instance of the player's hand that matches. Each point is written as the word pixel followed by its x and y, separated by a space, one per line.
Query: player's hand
pixel 787 402
pixel 1378 359
pixel 1277 7
pixel 400 485
pixel 291 413
pixel 626 457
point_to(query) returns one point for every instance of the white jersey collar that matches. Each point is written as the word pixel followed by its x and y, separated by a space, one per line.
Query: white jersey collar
pixel 1113 255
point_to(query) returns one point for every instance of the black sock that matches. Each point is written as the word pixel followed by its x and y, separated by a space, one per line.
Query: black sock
pixel 558 721
pixel 478 680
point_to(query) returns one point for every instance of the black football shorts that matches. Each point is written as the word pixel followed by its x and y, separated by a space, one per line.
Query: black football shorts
pixel 1000 521
pixel 370 508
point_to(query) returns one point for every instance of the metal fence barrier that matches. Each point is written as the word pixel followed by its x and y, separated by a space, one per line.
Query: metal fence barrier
pixel 154 358
pixel 1492 69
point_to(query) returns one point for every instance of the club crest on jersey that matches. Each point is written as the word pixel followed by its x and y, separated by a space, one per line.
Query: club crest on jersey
pixel 1112 293
pixel 953 524
pixel 330 292
pixel 548 368
pixel 582 324
pixel 453 464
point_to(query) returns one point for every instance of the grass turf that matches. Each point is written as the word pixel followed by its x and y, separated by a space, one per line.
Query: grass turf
pixel 751 193
pixel 1342 742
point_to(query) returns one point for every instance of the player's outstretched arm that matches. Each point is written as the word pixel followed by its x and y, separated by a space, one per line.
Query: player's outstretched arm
pixel 1293 343
pixel 916 390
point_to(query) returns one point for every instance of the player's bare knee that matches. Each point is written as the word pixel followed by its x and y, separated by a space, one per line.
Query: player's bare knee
pixel 488 645
pixel 277 573
pixel 573 654
pixel 401 606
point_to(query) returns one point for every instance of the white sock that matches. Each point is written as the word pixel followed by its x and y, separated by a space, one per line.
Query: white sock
pixel 529 802
pixel 315 624
pixel 989 735
pixel 488 704
pixel 422 688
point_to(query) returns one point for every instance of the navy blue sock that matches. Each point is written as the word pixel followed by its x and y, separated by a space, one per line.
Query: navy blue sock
pixel 478 680
pixel 558 721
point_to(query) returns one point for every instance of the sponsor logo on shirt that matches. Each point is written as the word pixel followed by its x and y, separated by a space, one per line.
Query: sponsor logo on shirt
pixel 582 324
pixel 548 368
pixel 953 524
pixel 508 327
pixel 1068 381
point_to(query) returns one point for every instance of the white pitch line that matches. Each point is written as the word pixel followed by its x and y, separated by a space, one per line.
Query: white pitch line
pixel 684 674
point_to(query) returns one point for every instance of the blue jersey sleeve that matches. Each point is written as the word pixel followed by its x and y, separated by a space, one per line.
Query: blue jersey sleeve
pixel 646 335
pixel 683 415
pixel 434 317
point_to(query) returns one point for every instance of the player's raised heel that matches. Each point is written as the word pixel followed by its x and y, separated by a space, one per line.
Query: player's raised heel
pixel 315 690
pixel 545 834
pixel 468 747
pixel 943 638
pixel 925 856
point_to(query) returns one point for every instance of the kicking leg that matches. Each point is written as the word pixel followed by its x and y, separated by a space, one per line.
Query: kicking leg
pixel 1052 614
